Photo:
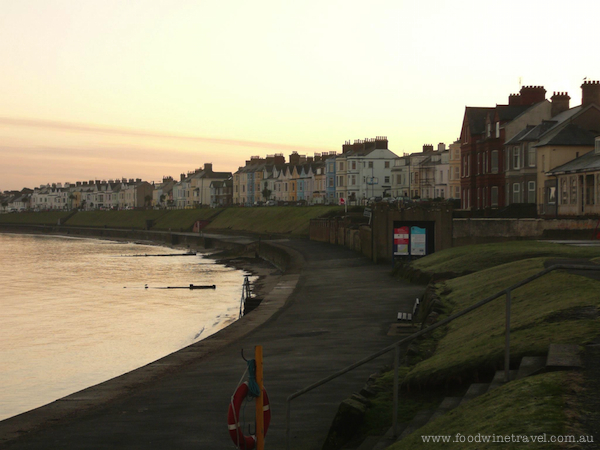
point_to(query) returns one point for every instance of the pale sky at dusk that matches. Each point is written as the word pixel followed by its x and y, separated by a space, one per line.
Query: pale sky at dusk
pixel 99 89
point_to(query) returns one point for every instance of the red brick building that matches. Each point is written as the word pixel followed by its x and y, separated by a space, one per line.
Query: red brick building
pixel 484 132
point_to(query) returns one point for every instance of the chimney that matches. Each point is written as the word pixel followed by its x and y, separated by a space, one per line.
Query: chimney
pixel 309 159
pixel 78 183
pixel 369 144
pixel 358 145
pixel 531 95
pixel 514 100
pixel 91 182
pixel 208 167
pixel 427 148
pixel 182 177
pixel 294 159
pixel 590 93
pixel 560 103
pixel 381 142
pixel 279 159
pixel 138 180
pixel 441 147
pixel 346 147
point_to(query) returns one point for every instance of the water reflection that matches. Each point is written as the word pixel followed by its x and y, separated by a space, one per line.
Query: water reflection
pixel 76 313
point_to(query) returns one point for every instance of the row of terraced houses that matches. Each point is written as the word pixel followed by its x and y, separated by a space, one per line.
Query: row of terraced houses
pixel 529 151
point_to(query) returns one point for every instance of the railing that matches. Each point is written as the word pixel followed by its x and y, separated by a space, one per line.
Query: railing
pixel 396 346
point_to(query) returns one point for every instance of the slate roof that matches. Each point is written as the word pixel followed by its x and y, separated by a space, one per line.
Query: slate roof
pixel 571 135
pixel 477 118
pixel 586 163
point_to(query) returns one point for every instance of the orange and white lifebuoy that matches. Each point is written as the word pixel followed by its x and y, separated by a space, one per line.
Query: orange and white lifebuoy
pixel 233 418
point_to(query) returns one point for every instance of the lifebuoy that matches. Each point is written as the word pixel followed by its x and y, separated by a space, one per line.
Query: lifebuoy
pixel 233 418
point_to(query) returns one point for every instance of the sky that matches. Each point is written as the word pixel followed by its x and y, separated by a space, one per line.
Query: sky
pixel 105 89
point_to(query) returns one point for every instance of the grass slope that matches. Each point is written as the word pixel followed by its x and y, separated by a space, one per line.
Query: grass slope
pixel 526 409
pixel 114 219
pixel 558 307
pixel 472 258
pixel 183 219
pixel 34 218
pixel 279 220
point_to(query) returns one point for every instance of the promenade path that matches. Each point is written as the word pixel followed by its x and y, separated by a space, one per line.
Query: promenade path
pixel 338 313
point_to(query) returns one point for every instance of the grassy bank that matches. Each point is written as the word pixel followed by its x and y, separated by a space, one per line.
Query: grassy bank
pixel 114 219
pixel 472 258
pixel 558 307
pixel 527 408
pixel 276 219
pixel 34 218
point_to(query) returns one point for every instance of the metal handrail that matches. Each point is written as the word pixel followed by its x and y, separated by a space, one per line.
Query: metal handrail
pixel 396 345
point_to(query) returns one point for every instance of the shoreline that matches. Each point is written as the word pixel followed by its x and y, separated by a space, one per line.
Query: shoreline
pixel 96 396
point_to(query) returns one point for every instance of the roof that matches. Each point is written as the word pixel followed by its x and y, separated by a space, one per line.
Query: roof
pixel 477 118
pixel 520 135
pixel 506 113
pixel 586 163
pixel 571 135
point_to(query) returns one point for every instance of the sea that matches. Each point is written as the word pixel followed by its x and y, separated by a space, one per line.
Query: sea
pixel 76 312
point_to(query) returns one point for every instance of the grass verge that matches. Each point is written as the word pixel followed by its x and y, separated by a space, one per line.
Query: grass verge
pixel 114 219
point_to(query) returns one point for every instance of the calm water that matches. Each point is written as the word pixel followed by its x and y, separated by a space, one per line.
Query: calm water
pixel 74 312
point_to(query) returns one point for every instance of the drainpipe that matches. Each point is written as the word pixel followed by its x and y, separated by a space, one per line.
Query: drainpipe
pixel 557 193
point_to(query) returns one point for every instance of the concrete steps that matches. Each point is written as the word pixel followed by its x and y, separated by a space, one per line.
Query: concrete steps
pixel 560 357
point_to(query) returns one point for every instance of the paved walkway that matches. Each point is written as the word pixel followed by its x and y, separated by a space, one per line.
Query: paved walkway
pixel 339 312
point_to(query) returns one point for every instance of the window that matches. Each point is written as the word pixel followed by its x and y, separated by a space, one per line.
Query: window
pixel 497 129
pixel 564 192
pixel 370 164
pixel 516 158
pixel 331 182
pixel 340 165
pixel 478 163
pixel 573 181
pixel 494 161
pixel 489 129
pixel 516 193
pixel 387 164
pixel 456 172
pixel 531 192
pixel 399 179
pixel 494 192
pixel 531 156
pixel 353 165
pixel 386 180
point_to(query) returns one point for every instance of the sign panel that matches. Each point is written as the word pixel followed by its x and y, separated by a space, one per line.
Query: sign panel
pixel 401 237
pixel 418 241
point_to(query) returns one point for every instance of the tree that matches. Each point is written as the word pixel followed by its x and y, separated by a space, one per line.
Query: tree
pixel 148 200
pixel 266 192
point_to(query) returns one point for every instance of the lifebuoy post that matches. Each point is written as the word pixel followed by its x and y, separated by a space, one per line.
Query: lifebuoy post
pixel 260 423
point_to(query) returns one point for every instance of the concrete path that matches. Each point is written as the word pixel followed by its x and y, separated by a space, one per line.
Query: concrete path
pixel 339 312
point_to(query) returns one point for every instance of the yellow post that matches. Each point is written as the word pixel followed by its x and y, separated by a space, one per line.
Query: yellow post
pixel 260 423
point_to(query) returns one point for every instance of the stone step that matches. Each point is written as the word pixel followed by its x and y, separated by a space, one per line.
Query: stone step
pixel 418 421
pixel 563 356
pixel 499 378
pixel 448 404
pixel 475 390
pixel 531 365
